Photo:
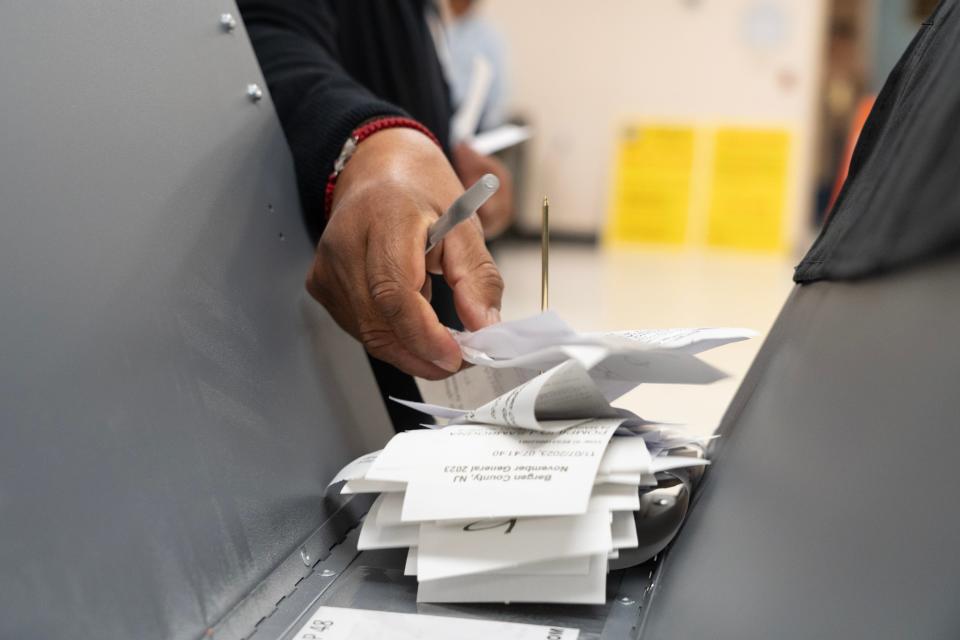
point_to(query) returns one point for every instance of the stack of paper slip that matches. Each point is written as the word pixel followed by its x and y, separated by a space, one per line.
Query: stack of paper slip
pixel 524 498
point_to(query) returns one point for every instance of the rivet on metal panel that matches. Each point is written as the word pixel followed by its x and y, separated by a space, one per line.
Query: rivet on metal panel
pixel 327 573
pixel 254 92
pixel 626 600
pixel 227 22
pixel 305 556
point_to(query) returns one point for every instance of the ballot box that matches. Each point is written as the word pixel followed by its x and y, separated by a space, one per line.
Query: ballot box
pixel 174 404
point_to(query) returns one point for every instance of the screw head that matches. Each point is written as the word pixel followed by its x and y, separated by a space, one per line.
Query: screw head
pixel 227 22
pixel 305 556
pixel 328 573
pixel 626 600
pixel 254 92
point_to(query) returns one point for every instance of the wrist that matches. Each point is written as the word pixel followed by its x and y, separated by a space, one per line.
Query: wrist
pixel 410 134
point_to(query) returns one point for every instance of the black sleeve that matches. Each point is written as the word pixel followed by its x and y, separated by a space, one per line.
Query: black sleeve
pixel 318 102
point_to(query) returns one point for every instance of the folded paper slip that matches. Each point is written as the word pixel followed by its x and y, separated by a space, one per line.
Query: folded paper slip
pixel 590 588
pixel 555 400
pixel 490 472
pixel 445 551
pixel 577 566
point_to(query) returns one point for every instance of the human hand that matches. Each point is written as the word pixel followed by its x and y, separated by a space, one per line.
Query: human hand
pixel 496 214
pixel 369 269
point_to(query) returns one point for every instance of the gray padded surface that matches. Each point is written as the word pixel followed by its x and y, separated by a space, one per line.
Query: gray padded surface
pixel 830 509
pixel 172 404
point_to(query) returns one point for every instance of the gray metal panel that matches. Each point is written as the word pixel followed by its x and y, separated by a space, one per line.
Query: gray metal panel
pixel 169 405
pixel 830 509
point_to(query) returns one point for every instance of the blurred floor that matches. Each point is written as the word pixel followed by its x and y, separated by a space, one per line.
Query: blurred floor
pixel 603 289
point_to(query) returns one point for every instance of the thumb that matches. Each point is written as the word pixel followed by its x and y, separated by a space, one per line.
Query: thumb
pixel 470 271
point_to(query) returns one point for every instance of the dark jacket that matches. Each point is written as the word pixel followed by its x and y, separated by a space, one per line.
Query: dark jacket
pixel 331 65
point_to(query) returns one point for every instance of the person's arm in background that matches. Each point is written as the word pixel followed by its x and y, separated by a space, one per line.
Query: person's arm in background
pixel 369 269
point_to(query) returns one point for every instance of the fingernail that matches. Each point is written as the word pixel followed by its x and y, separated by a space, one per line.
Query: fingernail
pixel 450 365
pixel 493 315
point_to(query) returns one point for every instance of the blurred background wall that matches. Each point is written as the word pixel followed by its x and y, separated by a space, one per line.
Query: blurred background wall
pixel 733 115
pixel 585 73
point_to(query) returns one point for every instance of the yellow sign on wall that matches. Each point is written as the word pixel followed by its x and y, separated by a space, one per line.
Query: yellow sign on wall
pixel 748 196
pixel 653 183
pixel 723 186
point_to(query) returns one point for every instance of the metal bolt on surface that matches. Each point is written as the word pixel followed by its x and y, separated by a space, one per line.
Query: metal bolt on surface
pixel 227 22
pixel 254 92
pixel 305 556
pixel 626 600
pixel 327 573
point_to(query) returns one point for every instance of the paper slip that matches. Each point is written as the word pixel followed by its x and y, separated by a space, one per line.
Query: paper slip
pixel 492 472
pixel 356 469
pixel 620 361
pixel 518 337
pixel 627 479
pixel 410 566
pixel 437 411
pixel 686 340
pixel 406 451
pixel 465 120
pixel 445 551
pixel 558 399
pixel 387 509
pixel 621 372
pixel 472 387
pixel 508 340
pixel 604 497
pixel 336 623
pixel 562 567
pixel 403 453
pixel 615 497
pixel 625 455
pixel 613 374
pixel 503 137
pixel 617 361
pixel 363 485
pixel 491 587
pixel 624 530
pixel 375 534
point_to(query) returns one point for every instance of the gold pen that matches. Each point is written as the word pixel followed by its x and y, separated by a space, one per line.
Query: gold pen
pixel 545 256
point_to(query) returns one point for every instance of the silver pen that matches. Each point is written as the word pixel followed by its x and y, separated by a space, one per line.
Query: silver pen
pixel 462 208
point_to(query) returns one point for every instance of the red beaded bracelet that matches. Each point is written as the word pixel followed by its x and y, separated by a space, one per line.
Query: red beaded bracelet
pixel 360 134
